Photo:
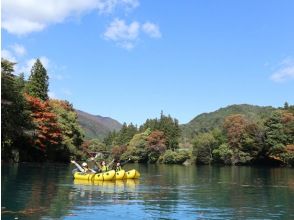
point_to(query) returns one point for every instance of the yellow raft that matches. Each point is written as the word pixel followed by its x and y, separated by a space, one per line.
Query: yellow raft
pixel 132 174
pixel 107 176
pixel 95 176
pixel 119 175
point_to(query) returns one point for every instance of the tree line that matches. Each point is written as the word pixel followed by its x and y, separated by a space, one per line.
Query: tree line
pixel 239 141
pixel 243 141
pixel 37 128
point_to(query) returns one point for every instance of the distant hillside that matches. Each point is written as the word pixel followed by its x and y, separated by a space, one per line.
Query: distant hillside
pixel 96 126
pixel 208 121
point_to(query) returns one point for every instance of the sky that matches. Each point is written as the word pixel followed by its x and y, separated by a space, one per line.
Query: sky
pixel 132 59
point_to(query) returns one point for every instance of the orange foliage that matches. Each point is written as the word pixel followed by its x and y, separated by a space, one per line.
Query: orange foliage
pixel 156 141
pixel 287 117
pixel 117 151
pixel 46 126
pixel 235 126
pixel 60 103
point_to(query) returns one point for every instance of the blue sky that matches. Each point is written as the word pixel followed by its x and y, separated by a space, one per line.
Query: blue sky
pixel 130 59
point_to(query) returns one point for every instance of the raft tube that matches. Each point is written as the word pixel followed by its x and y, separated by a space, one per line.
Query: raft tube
pixel 132 174
pixel 107 176
pixel 119 175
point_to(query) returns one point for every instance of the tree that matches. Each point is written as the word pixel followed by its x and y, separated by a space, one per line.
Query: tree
pixel 125 134
pixel 72 134
pixel 156 145
pixel 279 132
pixel 110 138
pixel 48 135
pixel 204 144
pixel 236 127
pixel 14 115
pixel 223 154
pixel 137 147
pixel 169 126
pixel 38 83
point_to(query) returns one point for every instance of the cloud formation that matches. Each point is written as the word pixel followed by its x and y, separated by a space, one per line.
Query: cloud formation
pixel 126 35
pixel 285 72
pixel 23 17
pixel 151 29
pixel 18 49
pixel 7 54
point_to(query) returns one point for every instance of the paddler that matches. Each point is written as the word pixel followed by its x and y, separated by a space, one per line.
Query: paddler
pixel 119 164
pixel 84 168
pixel 103 167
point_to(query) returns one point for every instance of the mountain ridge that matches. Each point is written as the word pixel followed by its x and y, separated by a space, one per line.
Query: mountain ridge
pixel 209 120
pixel 97 126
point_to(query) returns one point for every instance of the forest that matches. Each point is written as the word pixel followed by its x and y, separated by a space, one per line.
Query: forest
pixel 37 128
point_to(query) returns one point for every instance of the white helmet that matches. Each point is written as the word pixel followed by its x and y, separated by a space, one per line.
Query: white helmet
pixel 84 164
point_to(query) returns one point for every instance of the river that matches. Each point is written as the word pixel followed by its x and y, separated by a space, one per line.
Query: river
pixel 48 191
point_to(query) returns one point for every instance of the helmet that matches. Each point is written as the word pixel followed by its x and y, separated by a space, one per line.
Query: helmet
pixel 84 164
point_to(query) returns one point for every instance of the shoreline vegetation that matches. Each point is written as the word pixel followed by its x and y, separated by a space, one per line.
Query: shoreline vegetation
pixel 36 128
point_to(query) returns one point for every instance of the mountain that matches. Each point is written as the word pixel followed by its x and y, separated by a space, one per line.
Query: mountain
pixel 208 121
pixel 96 126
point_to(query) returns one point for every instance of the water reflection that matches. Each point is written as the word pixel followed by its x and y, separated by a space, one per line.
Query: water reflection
pixel 31 191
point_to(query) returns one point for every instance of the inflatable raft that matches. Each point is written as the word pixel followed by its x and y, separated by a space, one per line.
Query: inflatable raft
pixel 107 176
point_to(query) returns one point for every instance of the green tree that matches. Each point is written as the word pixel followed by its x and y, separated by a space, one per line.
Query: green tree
pixel 137 147
pixel 72 134
pixel 279 132
pixel 109 140
pixel 203 145
pixel 169 126
pixel 15 120
pixel 125 134
pixel 38 82
pixel 223 154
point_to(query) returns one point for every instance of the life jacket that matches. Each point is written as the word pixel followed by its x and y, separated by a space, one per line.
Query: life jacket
pixel 104 168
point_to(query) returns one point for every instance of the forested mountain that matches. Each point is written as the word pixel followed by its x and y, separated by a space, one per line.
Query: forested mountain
pixel 207 121
pixel 96 126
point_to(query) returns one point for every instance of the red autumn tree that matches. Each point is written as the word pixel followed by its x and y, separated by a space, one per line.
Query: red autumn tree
pixel 47 131
pixel 117 151
pixel 156 145
pixel 156 141
pixel 235 126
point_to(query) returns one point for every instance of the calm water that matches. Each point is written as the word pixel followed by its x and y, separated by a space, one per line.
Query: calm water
pixel 32 191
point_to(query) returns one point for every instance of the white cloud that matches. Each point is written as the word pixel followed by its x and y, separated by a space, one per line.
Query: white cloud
pixel 126 35
pixel 285 72
pixel 15 51
pixel 23 17
pixel 6 54
pixel 108 6
pixel 151 29
pixel 18 49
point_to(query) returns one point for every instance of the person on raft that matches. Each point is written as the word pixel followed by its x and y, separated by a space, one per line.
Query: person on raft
pixel 119 164
pixel 84 168
pixel 104 167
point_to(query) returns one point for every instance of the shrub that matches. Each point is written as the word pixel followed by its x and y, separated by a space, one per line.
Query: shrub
pixel 223 154
pixel 172 157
